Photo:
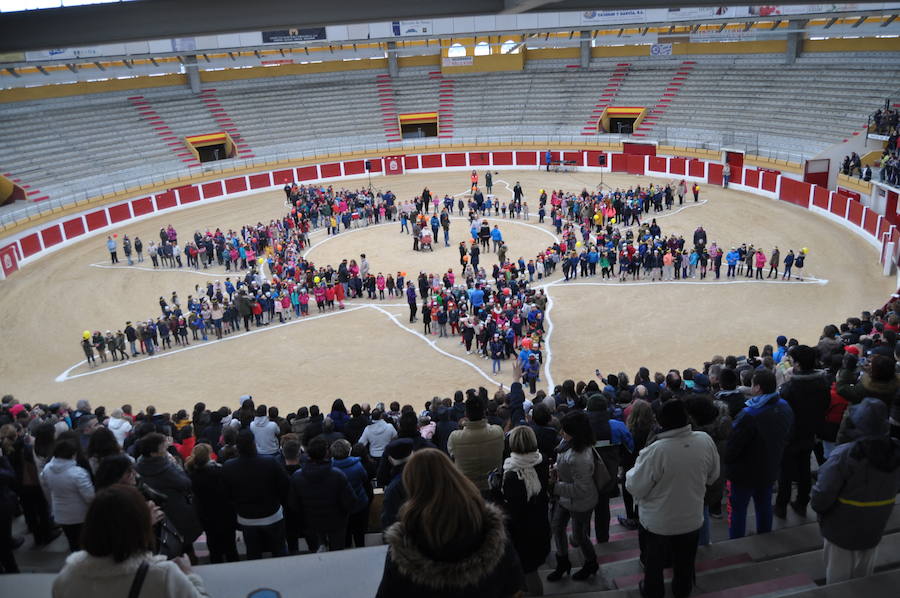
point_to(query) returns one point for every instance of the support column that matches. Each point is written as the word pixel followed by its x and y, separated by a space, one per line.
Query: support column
pixel 393 66
pixel 585 49
pixel 192 70
pixel 794 41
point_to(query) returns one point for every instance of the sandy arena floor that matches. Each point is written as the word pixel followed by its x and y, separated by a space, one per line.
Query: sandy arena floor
pixel 368 352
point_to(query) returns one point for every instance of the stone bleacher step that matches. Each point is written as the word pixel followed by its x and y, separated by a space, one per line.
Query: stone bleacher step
pixel 770 588
pixel 701 566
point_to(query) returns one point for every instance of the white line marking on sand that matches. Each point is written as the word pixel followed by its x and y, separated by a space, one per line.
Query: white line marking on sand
pixel 433 345
pixel 198 345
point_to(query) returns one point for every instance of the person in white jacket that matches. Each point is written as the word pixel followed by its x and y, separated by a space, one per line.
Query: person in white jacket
pixel 265 433
pixel 668 482
pixel 119 426
pixel 117 559
pixel 377 435
pixel 68 488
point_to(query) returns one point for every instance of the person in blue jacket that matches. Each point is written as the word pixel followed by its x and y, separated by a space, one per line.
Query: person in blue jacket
pixel 496 237
pixel 362 488
pixel 788 264
pixel 731 258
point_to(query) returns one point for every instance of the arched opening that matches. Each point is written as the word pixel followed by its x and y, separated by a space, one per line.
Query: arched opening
pixel 482 49
pixel 509 47
pixel 456 51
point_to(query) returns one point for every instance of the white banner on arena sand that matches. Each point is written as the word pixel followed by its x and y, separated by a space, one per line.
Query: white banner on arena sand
pixel 661 50
pixel 458 61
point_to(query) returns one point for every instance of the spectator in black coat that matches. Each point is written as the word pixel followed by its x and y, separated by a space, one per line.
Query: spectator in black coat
pixel 216 514
pixel 547 436
pixel 159 471
pixel 325 496
pixel 753 453
pixel 524 496
pixel 355 426
pixel 257 488
pixel 809 395
pixel 407 428
pixel 397 455
pixel 314 426
pixel 445 426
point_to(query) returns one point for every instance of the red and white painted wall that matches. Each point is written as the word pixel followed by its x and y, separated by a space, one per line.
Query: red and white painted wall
pixel 879 230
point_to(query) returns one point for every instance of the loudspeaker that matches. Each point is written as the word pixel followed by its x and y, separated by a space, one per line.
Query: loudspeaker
pixel 368 165
pixel 601 159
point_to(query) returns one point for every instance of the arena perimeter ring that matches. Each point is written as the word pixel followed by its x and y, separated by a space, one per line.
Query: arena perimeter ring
pixel 369 352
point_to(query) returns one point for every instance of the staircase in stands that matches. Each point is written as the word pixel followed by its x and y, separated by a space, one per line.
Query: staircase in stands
pixel 606 98
pixel 446 92
pixel 668 95
pixel 388 103
pixel 220 115
pixel 148 114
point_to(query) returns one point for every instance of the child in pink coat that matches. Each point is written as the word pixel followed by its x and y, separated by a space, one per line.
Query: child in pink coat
pixel 760 259
pixel 380 283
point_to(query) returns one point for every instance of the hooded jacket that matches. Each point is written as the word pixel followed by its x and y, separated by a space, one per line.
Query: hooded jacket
pixel 120 427
pixel 856 488
pixel 265 433
pixel 69 488
pixel 86 576
pixel 476 567
pixel 756 445
pixel 377 435
pixel 358 478
pixel 669 480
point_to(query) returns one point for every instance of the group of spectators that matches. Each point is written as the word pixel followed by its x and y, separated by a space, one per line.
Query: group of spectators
pixel 885 123
pixel 477 488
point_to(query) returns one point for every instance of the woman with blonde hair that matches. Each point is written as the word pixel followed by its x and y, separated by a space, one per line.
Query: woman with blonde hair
pixel 448 542
pixel 525 498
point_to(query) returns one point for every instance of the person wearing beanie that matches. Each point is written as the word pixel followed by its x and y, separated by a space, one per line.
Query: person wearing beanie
pixel 855 492
pixel 809 395
pixel 668 481
pixel 477 448
pixel 754 451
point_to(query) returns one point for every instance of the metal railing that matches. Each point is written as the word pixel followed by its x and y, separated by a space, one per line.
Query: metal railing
pixel 748 142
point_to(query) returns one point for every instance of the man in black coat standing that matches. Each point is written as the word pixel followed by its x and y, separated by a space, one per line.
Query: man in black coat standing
pixel 808 394
pixel 257 487
pixel 324 495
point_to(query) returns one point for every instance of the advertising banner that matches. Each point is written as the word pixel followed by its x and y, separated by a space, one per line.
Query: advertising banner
pixel 393 165
pixel 661 50
pixel 404 28
pixel 458 61
pixel 287 36
pixel 8 260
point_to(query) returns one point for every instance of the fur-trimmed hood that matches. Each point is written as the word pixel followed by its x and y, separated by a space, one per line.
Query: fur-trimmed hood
pixel 471 569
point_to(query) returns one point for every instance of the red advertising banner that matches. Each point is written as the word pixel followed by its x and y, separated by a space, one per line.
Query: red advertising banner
pixel 8 260
pixel 393 165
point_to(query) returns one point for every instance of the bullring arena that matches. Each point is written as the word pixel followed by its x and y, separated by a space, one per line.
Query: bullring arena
pixel 372 354
pixel 242 127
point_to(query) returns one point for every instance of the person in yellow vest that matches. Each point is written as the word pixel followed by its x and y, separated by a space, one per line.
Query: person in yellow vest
pixel 696 191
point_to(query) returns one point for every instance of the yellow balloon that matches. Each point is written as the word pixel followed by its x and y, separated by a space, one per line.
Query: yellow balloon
pixel 612 220
pixel 86 334
pixel 805 250
pixel 316 280
pixel 578 244
pixel 260 261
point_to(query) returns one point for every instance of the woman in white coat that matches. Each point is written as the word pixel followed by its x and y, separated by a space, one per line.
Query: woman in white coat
pixel 69 489
pixel 117 559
